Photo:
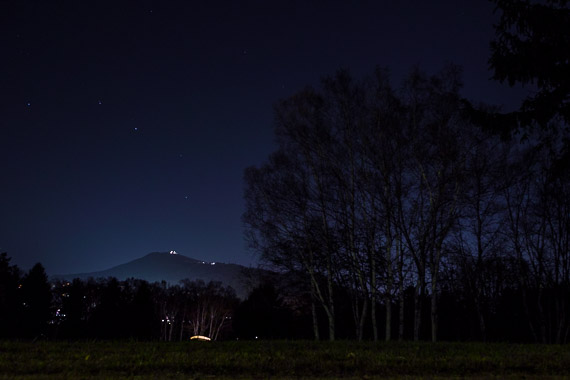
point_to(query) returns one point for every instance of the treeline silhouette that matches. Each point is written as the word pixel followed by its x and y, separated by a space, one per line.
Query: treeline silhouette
pixel 32 307
pixel 279 307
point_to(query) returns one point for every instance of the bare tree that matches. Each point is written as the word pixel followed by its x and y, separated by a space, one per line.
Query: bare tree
pixel 478 241
pixel 434 175
pixel 287 222
pixel 362 176
pixel 545 240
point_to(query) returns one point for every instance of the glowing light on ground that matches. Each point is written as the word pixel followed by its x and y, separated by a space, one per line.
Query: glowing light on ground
pixel 200 337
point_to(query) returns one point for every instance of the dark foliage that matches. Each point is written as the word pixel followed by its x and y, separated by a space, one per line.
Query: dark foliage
pixel 532 48
pixel 10 297
pixel 36 302
pixel 263 316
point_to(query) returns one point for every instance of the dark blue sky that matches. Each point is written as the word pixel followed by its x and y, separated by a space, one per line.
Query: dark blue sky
pixel 125 126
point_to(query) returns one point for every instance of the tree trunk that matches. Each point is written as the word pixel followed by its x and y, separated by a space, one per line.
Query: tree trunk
pixel 170 331
pixel 434 268
pixel 373 315
pixel 541 318
pixel 362 319
pixel 330 309
pixel 388 298
pixel 482 326
pixel 325 300
pixel 330 315
pixel 418 304
pixel 373 297
pixel 182 323
pixel 434 308
pixel 401 297
pixel 401 321
pixel 388 319
pixel 331 327
pixel 314 313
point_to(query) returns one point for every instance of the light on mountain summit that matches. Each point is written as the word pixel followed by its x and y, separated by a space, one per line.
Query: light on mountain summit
pixel 173 253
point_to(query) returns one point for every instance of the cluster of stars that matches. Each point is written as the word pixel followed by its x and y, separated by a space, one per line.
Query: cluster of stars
pixel 28 104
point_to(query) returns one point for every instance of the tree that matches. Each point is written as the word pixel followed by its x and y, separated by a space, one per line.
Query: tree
pixel 210 307
pixel 36 296
pixel 170 301
pixel 531 47
pixel 287 217
pixel 142 311
pixel 545 230
pixel 263 316
pixel 110 317
pixel 478 241
pixel 10 297
pixel 433 173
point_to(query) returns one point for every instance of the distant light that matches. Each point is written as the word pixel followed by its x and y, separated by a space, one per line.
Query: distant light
pixel 173 253
pixel 213 264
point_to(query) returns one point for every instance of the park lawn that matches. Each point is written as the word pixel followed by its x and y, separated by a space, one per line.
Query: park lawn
pixel 279 360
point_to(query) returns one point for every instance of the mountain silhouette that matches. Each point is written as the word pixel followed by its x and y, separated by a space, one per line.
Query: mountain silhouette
pixel 173 267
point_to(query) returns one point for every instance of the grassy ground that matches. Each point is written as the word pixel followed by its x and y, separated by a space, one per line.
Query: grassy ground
pixel 279 360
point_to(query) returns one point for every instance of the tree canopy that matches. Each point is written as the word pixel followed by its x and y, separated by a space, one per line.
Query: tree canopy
pixel 532 47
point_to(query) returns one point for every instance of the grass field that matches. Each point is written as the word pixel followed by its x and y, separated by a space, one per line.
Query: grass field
pixel 279 360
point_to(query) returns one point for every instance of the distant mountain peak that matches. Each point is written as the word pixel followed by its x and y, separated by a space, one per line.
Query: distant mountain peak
pixel 172 267
pixel 173 255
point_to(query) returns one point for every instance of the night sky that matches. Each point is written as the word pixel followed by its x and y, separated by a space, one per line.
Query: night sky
pixel 125 126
